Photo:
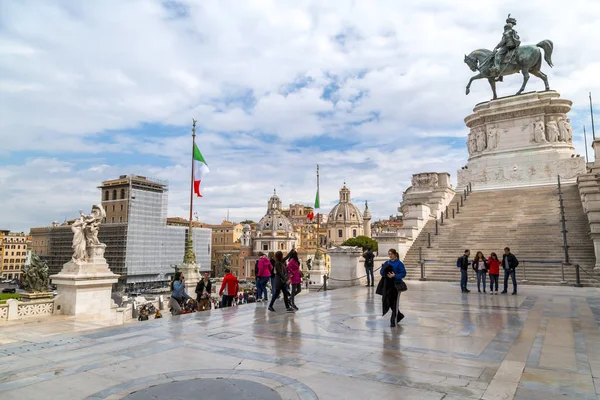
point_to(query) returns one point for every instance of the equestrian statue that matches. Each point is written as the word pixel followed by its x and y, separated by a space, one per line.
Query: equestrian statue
pixel 509 57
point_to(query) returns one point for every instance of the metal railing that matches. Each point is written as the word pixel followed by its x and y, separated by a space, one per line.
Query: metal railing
pixel 455 210
pixel 522 267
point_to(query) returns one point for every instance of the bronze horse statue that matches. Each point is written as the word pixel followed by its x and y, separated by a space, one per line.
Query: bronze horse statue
pixel 526 59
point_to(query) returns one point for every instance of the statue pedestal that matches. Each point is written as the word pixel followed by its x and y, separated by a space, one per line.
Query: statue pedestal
pixel 192 277
pixel 520 141
pixel 345 267
pixel 84 287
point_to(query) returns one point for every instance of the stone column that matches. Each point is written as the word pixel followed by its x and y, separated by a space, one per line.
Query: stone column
pixel 84 287
pixel 345 262
pixel 192 277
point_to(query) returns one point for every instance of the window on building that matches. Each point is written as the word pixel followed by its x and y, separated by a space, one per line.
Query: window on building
pixel 329 234
pixel 340 233
pixel 120 219
pixel 113 207
pixel 106 195
pixel 112 219
pixel 221 240
pixel 353 232
pixel 104 221
pixel 215 240
pixel 265 246
pixel 122 194
pixel 11 267
pixel 121 207
pixel 114 194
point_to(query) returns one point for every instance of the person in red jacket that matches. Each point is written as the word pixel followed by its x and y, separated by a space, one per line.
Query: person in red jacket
pixel 229 288
pixel 494 268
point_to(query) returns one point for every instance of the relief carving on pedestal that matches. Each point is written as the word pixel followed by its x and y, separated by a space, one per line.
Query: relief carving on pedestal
pixel 539 134
pixel 481 139
pixel 552 133
pixel 472 143
pixel 425 180
pixel 492 141
pixel 565 130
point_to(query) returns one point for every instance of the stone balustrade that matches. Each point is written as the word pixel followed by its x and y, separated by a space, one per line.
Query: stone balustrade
pixel 14 309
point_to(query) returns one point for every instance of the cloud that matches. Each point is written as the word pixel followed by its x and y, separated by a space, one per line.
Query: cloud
pixel 373 92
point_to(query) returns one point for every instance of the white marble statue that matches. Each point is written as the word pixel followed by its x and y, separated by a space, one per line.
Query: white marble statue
pixel 492 137
pixel 85 232
pixel 569 128
pixel 552 130
pixel 481 145
pixel 539 136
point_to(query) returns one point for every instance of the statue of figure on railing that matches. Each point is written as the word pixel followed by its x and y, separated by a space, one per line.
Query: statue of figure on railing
pixel 509 57
pixel 35 276
pixel 85 233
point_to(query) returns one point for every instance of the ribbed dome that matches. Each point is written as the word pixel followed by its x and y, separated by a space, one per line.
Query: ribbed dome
pixel 344 211
pixel 274 220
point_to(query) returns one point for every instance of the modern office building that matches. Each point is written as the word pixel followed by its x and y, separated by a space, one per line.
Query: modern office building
pixel 141 245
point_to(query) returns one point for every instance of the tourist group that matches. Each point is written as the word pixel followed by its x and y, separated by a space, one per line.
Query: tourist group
pixel 491 266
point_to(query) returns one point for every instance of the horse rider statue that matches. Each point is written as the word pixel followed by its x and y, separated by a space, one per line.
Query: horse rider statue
pixel 509 57
pixel 510 41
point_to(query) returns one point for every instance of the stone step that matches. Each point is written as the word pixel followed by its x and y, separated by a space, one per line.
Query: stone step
pixel 528 220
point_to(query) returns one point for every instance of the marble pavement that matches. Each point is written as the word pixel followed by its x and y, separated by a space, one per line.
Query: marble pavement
pixel 542 344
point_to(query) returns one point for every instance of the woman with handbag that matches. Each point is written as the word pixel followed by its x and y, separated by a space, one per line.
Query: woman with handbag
pixel 480 266
pixel 393 269
pixel 293 270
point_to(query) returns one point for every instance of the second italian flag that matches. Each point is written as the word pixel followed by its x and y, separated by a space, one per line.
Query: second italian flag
pixel 200 169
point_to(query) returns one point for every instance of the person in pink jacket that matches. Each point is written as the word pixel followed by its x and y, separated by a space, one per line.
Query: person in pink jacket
pixel 293 268
pixel 262 278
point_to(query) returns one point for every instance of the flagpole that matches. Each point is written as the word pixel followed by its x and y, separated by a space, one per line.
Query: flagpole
pixel 585 140
pixel 192 182
pixel 189 255
pixel 318 214
pixel 592 114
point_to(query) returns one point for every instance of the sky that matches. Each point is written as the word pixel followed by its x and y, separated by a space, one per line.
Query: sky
pixel 372 91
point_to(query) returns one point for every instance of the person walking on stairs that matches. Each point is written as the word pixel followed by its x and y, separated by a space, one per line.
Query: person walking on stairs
pixel 480 267
pixel 281 282
pixel 463 264
pixel 509 263
pixel 494 268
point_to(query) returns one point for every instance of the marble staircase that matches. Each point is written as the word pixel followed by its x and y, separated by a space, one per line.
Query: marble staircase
pixel 526 219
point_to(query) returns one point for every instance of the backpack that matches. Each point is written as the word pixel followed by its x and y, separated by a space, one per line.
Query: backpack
pixel 256 269
pixel 459 262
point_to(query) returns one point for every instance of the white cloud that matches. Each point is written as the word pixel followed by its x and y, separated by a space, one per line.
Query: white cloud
pixel 76 76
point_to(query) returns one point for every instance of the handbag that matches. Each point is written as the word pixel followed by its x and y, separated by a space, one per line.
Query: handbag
pixel 401 286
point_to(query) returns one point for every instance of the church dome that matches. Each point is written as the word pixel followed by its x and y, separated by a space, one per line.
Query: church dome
pixel 274 220
pixel 345 211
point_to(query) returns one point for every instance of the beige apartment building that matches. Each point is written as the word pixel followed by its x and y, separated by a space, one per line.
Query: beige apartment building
pixel 226 240
pixel 13 253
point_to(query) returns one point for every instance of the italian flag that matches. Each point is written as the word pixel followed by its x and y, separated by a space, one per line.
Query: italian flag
pixel 311 215
pixel 200 169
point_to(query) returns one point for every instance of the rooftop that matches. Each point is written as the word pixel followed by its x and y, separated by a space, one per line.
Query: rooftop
pixel 541 344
